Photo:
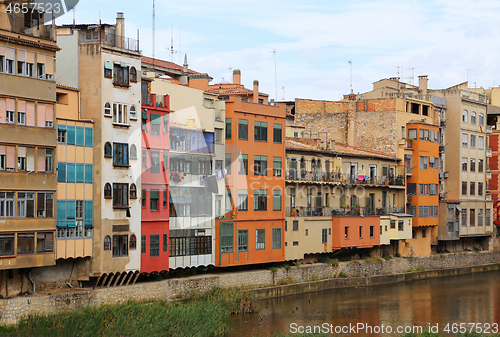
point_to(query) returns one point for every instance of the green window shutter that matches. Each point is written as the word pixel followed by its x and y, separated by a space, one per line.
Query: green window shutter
pixel 145 115
pixel 80 173
pixel 61 172
pixel 143 194
pixel 61 214
pixel 89 214
pixel 89 137
pixel 71 209
pixel 71 172
pixel 61 127
pixel 80 136
pixel 155 118
pixel 154 194
pixel 108 65
pixel 88 173
pixel 70 135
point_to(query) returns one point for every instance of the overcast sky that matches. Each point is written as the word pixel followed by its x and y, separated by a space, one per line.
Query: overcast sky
pixel 315 40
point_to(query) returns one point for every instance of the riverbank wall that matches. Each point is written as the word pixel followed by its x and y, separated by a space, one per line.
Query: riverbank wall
pixel 270 283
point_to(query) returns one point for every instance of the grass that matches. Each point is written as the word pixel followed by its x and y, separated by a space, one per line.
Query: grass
pixel 288 280
pixel 374 259
pixel 202 315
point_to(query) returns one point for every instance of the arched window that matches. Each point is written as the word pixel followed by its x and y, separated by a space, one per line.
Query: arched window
pixel 481 119
pixel 133 152
pixel 133 74
pixel 108 191
pixel 473 117
pixel 107 109
pixel 133 191
pixel 108 151
pixel 133 112
pixel 464 116
pixel 133 242
pixel 107 243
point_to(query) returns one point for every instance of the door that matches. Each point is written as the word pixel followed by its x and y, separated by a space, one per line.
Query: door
pixel 293 169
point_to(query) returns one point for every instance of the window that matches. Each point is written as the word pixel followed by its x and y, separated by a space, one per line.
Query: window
pixel 472 217
pixel 133 151
pixel 480 217
pixel 276 200
pixel 165 162
pixel 25 243
pixel 260 165
pixel 360 231
pixel 108 150
pixel 119 113
pixel 121 75
pixel 472 188
pixel 120 154
pixel 154 245
pixel 108 66
pixel 260 200
pixel 243 240
pixel 372 234
pixel 260 131
pixel 393 224
pixel 412 210
pixel 165 243
pixel 228 163
pixel 61 134
pixel 480 165
pixel 479 188
pixel 424 163
pixel 153 200
pixel 6 244
pixel 228 128
pixel 242 200
pixel 45 205
pixel 107 191
pixel 464 218
pixel 473 117
pixel 464 188
pixel 472 165
pixel 424 134
pixel 277 133
pixel 401 225
pixel 243 129
pixel 487 217
pixel 107 243
pixel 155 124
pixel 133 74
pixel 107 109
pixel 218 206
pixel 464 163
pixel 7 207
pixel 277 166
pixel 481 119
pixel 424 233
pixel 472 141
pixel 25 204
pixel 120 195
pixel 464 139
pixel 480 143
pixel 120 245
pixel 155 162
pixel 44 242
pixel 260 239
pixel 143 244
pixel 295 225
pixel 464 116
pixel 226 245
pixel 413 234
pixel 21 158
pixel 133 191
pixel 144 159
pixel 10 55
pixel 243 164
pixel 276 238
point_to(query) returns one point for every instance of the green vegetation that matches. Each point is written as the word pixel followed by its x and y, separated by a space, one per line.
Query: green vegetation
pixel 287 267
pixel 288 280
pixel 202 315
pixel 296 263
pixel 374 259
pixel 328 260
pixel 342 274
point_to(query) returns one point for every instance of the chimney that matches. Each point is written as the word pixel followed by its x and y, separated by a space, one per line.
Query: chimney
pixel 256 91
pixel 236 76
pixel 185 72
pixel 422 84
pixel 191 122
pixel 120 24
pixel 351 119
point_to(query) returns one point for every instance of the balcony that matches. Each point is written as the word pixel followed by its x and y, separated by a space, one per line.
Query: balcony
pixel 409 170
pixel 155 101
pixel 316 211
pixel 488 197
pixel 16 24
pixel 219 115
pixel 409 199
pixel 344 178
pixel 489 129
pixel 442 123
pixel 441 148
pixel 489 154
pixel 488 174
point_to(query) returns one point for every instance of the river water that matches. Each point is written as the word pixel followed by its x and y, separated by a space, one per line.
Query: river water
pixel 472 298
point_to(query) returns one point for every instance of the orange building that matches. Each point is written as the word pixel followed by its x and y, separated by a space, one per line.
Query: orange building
pixel 355 231
pixel 252 229
pixel 423 186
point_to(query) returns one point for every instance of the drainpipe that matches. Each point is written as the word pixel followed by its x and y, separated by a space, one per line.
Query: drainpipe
pixel 32 280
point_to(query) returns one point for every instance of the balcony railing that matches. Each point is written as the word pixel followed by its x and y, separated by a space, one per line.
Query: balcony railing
pixel 488 197
pixel 315 211
pixel 218 115
pixel 115 40
pixel 489 129
pixel 409 170
pixel 16 24
pixel 344 178
pixel 488 174
pixel 489 154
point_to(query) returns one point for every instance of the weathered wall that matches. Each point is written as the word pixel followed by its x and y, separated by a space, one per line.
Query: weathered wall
pixel 333 123
pixel 377 131
pixel 395 270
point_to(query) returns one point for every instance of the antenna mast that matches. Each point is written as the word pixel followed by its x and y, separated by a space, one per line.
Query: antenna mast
pixel 350 83
pixel 153 32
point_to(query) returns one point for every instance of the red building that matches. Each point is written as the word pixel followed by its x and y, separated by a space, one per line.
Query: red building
pixel 154 181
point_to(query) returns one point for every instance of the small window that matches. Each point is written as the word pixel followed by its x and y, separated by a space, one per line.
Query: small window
pixel 133 242
pixel 108 69
pixel 107 243
pixel 133 112
pixel 108 150
pixel 133 191
pixel 133 151
pixel 133 75
pixel 107 191
pixel 107 109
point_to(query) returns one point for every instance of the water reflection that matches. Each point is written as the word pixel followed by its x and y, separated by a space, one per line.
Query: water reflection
pixel 455 299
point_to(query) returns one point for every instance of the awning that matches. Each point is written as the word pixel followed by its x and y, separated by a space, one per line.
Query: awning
pixel 155 118
pixel 61 127
pixel 71 223
pixel 61 224
pixel 154 194
pixel 457 207
pixel 108 65
pixel 145 115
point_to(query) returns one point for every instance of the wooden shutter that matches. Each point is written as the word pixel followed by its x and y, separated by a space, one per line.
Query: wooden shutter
pixel 41 115
pixel 41 160
pixel 30 113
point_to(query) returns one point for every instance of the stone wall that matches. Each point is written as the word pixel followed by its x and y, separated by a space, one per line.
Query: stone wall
pixel 377 131
pixel 333 123
pixel 394 270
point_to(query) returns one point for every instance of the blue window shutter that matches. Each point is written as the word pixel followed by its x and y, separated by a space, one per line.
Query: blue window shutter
pixel 71 172
pixel 125 154
pixel 114 154
pixel 88 173
pixel 61 214
pixel 80 136
pixel 89 137
pixel 71 209
pixel 61 172
pixel 88 214
pixel 61 127
pixel 80 173
pixel 70 135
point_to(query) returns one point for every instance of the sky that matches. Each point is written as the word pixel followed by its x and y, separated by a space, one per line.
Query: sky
pixel 302 48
